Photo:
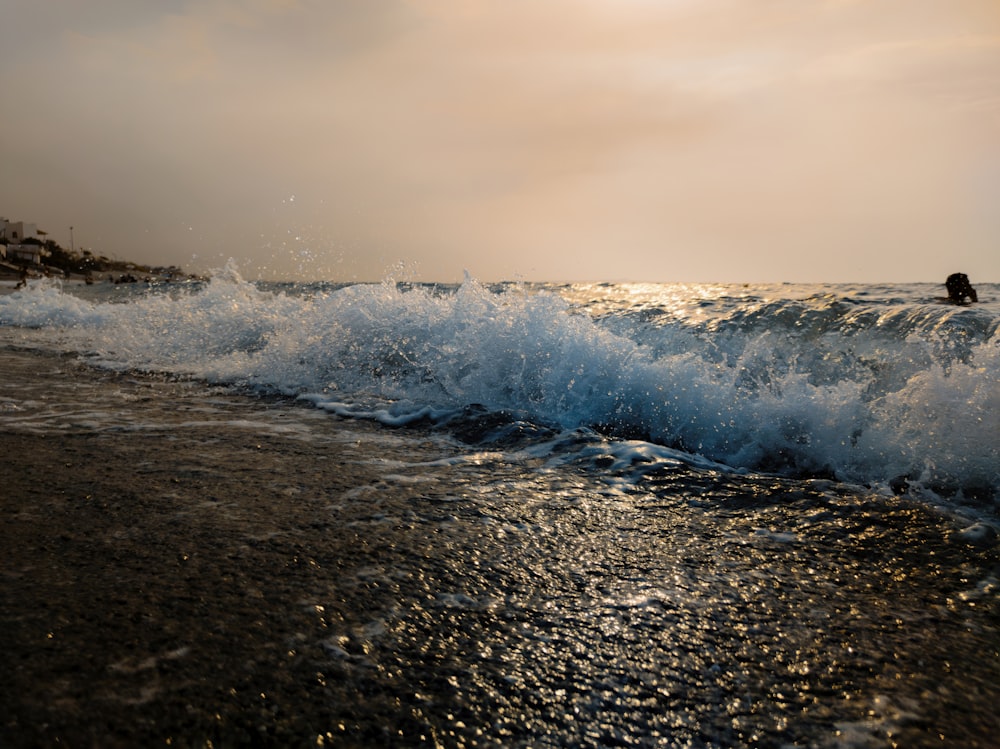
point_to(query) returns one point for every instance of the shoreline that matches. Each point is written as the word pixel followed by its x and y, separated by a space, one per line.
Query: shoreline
pixel 11 284
pixel 184 565
pixel 150 598
pixel 10 274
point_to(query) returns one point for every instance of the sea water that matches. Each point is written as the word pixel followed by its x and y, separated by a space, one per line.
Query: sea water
pixel 880 385
pixel 647 514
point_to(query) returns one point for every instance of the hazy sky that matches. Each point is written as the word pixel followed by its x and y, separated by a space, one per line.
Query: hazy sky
pixel 653 140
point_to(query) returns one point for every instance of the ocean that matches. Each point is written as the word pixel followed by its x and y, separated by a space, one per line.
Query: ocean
pixel 591 514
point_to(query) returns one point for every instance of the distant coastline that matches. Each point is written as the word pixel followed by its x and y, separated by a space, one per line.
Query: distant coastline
pixel 56 262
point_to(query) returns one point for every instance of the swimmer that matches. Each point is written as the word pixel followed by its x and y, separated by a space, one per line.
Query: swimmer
pixel 959 288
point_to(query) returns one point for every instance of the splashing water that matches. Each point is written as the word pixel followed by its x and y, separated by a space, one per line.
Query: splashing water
pixel 860 383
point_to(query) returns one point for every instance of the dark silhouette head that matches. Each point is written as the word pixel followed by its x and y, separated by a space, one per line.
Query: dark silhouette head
pixel 959 288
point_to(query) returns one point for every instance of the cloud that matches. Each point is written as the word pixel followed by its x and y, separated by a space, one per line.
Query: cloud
pixel 624 139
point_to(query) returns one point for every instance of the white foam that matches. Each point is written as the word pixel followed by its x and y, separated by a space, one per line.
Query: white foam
pixel 865 392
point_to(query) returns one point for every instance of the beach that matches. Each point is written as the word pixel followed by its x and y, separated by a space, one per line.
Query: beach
pixel 185 564
pixel 166 585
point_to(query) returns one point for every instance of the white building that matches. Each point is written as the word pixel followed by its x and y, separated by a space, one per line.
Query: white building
pixel 17 231
pixel 26 253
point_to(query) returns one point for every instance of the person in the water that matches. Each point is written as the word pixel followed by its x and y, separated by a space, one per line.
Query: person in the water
pixel 959 288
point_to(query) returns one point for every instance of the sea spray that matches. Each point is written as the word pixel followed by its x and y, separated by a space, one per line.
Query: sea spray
pixel 863 384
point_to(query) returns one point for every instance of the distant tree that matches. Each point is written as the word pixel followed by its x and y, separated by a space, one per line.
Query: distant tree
pixel 63 259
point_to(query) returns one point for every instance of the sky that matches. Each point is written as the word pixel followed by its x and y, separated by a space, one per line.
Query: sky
pixel 558 140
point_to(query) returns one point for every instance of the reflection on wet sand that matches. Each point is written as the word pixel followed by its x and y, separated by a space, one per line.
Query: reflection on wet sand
pixel 251 571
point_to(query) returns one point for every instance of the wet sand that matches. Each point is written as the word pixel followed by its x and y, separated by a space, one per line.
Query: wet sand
pixel 161 582
pixel 248 572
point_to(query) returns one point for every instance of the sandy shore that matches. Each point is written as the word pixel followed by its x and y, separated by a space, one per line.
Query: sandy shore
pixel 161 584
pixel 181 568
